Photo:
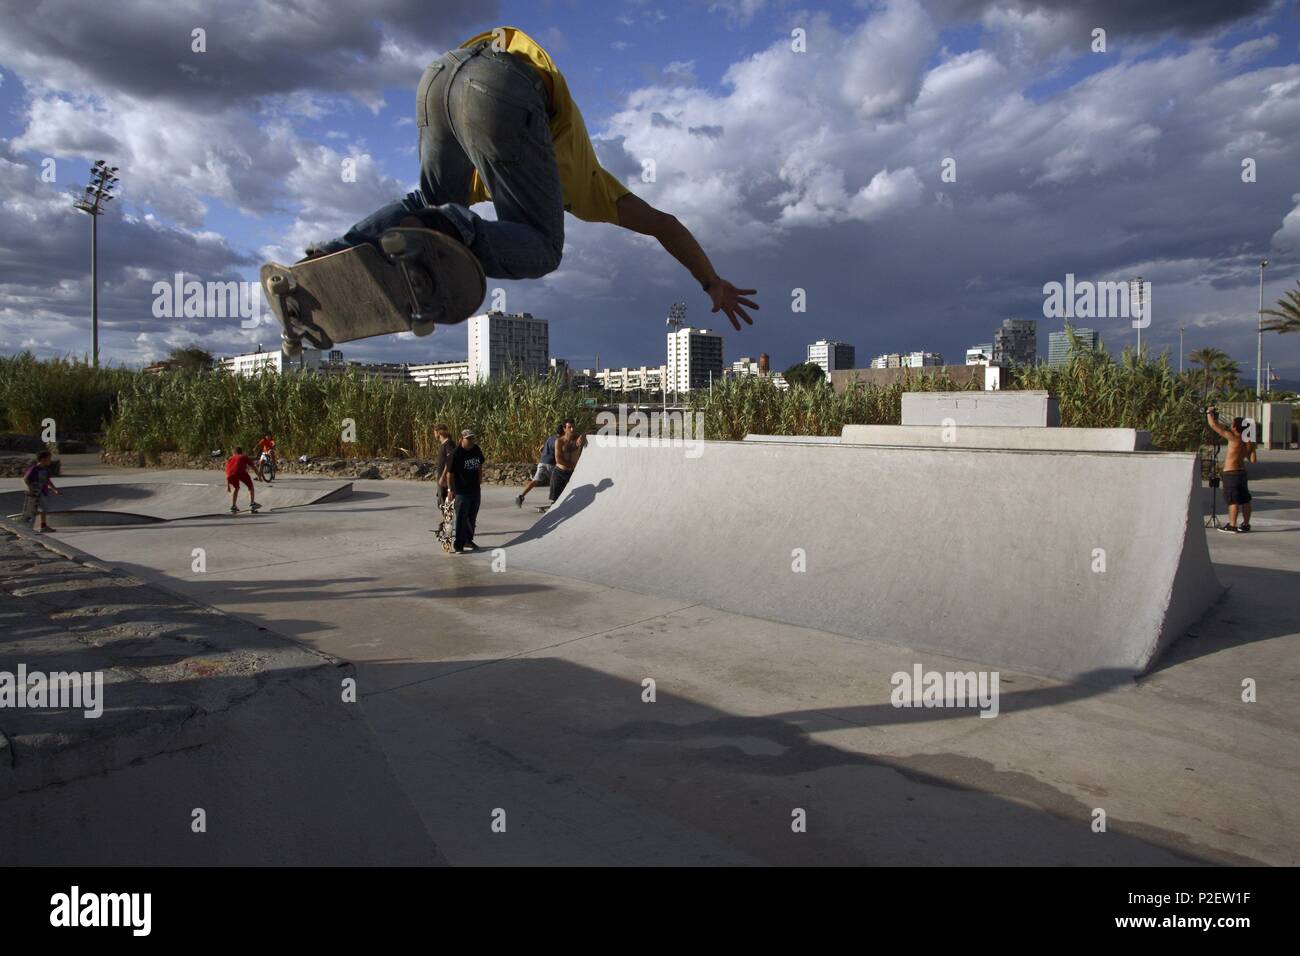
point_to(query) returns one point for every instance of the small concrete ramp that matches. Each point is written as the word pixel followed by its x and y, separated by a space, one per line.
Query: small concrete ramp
pixel 147 502
pixel 1071 564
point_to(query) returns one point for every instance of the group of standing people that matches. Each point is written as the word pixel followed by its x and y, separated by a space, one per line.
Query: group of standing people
pixel 459 470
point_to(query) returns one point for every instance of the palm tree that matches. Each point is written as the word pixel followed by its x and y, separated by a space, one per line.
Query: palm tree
pixel 1287 314
pixel 1225 372
pixel 1208 359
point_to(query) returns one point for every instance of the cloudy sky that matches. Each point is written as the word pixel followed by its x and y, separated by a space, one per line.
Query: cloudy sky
pixel 819 169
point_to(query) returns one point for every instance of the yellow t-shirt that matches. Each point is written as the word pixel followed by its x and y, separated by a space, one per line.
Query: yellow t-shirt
pixel 590 192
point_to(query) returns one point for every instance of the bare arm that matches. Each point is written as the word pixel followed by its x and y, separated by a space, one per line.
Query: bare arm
pixel 1214 424
pixel 639 216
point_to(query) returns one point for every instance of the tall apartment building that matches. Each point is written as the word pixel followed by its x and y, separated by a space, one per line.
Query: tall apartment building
pixel 831 356
pixel 503 343
pixel 1016 342
pixel 694 359
pixel 981 354
pixel 1058 344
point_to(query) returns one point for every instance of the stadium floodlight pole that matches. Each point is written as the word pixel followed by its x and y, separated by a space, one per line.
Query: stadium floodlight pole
pixel 100 191
pixel 1180 350
pixel 1259 341
pixel 1140 314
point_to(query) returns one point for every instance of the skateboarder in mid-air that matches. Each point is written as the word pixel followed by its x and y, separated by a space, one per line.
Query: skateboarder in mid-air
pixel 496 121
pixel 237 467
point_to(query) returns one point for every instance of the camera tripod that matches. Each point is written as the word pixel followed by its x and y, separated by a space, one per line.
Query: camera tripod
pixel 1213 520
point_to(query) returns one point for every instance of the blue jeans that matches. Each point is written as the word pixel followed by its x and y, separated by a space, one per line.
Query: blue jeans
pixel 479 109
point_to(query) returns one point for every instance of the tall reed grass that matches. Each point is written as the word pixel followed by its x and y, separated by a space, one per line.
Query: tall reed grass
pixel 196 414
pixel 316 415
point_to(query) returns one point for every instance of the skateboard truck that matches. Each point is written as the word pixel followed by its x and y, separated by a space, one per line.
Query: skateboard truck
pixel 280 286
pixel 419 284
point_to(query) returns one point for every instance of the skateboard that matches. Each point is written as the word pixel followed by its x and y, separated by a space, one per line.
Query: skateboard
pixel 447 527
pixel 420 279
pixel 541 509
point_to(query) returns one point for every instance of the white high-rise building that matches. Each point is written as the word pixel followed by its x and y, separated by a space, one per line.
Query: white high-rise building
pixel 508 343
pixel 694 359
pixel 831 356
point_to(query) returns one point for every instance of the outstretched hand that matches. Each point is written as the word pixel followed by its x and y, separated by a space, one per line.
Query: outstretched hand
pixel 730 300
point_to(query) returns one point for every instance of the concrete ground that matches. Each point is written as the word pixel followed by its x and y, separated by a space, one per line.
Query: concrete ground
pixel 498 693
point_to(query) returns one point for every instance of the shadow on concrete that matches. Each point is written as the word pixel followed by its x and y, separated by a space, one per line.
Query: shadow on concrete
pixel 1260 606
pixel 621 788
pixel 575 501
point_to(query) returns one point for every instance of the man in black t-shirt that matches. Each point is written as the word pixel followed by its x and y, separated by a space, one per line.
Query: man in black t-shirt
pixel 463 477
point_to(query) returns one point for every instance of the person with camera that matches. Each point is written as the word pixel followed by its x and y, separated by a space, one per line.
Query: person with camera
pixel 1236 490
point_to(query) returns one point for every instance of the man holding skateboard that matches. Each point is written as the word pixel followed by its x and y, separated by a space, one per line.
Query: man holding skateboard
pixel 464 477
pixel 496 121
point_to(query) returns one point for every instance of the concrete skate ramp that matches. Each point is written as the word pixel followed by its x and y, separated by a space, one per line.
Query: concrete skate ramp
pixel 991 556
pixel 154 501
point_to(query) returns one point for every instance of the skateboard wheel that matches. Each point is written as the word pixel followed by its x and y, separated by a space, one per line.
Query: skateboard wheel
pixel 292 346
pixel 280 283
pixel 393 242
pixel 422 327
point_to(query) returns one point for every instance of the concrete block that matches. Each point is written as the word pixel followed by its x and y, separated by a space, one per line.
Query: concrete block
pixel 1027 409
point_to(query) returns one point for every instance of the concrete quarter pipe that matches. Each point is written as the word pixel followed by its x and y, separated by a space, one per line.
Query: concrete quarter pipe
pixel 1078 565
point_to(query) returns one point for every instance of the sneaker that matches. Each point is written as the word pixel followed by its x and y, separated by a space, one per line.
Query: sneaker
pixel 471 546
pixel 433 218
pixel 519 501
pixel 1228 529
pixel 49 527
pixel 1244 528
pixel 234 510
pixel 254 507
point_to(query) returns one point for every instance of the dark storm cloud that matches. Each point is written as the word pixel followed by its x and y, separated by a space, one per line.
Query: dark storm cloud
pixel 1131 17
pixel 142 48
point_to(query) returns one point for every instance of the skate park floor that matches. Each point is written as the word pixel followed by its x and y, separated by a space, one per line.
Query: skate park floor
pixel 505 690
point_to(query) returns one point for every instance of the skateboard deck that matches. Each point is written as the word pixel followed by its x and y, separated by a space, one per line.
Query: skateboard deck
pixel 419 280
pixel 447 527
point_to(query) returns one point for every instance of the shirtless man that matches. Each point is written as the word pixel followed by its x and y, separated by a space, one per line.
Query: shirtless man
pixel 1236 492
pixel 568 448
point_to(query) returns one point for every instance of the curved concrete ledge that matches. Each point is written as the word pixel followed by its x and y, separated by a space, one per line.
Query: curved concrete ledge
pixel 149 502
pixel 1059 563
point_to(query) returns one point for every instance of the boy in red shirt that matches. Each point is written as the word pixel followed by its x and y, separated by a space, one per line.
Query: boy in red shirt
pixel 266 456
pixel 237 466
